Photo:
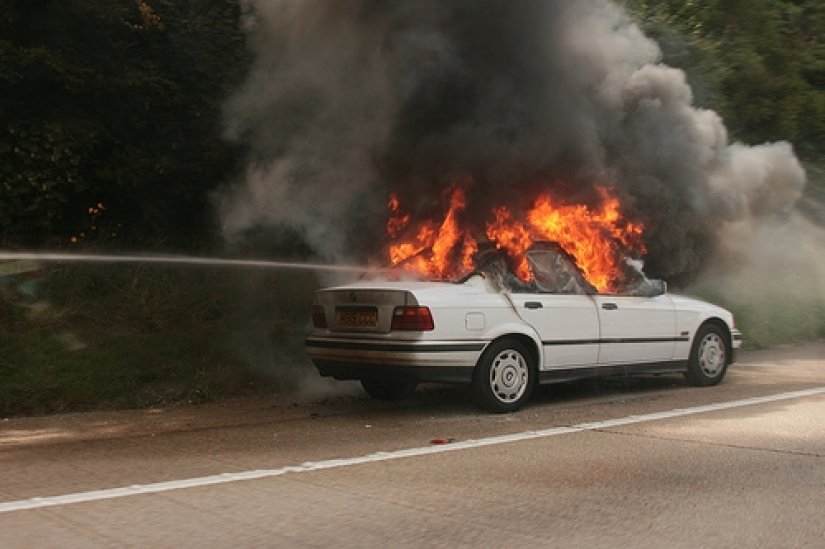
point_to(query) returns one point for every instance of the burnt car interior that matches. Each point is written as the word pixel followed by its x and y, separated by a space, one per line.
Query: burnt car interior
pixel 554 272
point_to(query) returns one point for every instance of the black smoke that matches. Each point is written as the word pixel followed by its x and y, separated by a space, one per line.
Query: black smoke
pixel 349 100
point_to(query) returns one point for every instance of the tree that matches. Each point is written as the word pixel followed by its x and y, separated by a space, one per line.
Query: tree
pixel 761 64
pixel 112 110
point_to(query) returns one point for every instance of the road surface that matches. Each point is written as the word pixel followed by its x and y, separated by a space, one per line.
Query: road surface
pixel 645 463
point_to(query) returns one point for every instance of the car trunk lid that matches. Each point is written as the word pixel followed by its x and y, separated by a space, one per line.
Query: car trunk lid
pixel 362 310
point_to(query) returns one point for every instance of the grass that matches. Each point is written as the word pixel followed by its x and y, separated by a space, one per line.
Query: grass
pixel 773 319
pixel 82 337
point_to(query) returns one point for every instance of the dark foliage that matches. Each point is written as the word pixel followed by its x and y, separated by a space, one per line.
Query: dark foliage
pixel 110 120
pixel 760 64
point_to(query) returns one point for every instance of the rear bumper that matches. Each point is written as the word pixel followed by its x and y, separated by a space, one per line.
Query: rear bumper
pixel 437 374
pixel 437 361
pixel 736 340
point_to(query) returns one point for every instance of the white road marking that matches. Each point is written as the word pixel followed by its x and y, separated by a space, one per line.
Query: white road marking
pixel 224 478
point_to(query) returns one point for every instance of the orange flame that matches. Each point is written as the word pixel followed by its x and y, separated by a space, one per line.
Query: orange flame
pixel 513 237
pixel 433 250
pixel 396 222
pixel 596 238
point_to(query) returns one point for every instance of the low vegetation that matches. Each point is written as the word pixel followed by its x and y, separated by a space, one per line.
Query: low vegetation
pixel 80 337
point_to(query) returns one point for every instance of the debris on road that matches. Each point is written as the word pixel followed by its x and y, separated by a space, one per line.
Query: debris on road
pixel 441 440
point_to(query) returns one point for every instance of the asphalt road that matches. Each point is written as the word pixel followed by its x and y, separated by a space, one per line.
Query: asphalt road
pixel 642 463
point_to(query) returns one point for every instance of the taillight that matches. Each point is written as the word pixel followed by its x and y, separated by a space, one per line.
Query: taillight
pixel 412 318
pixel 319 318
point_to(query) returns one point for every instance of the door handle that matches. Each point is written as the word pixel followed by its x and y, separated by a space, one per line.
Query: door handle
pixel 609 306
pixel 533 305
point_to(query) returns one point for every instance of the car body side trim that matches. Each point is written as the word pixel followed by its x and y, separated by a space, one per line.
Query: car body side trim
pixel 570 374
pixel 614 340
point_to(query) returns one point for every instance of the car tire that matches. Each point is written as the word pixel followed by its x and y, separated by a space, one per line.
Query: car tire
pixel 388 389
pixel 504 377
pixel 709 356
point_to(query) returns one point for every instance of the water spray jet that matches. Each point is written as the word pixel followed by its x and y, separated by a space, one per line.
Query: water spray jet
pixel 188 260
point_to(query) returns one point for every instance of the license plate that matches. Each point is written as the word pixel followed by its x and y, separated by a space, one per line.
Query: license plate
pixel 357 318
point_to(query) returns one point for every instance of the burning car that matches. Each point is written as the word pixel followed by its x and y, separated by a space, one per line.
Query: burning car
pixel 502 334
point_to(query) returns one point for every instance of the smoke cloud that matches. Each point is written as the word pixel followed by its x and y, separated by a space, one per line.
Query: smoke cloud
pixel 772 275
pixel 350 100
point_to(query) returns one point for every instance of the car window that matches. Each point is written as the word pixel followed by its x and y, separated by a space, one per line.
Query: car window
pixel 493 266
pixel 554 273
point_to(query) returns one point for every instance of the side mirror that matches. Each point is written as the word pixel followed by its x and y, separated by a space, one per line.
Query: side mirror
pixel 647 288
pixel 652 288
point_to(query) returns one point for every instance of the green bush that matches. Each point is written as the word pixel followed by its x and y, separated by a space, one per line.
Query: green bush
pixel 80 337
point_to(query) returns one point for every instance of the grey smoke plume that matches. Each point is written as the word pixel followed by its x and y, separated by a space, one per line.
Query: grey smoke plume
pixel 349 100
pixel 775 282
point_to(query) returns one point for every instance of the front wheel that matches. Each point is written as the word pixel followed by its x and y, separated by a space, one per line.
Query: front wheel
pixel 504 377
pixel 708 356
pixel 386 389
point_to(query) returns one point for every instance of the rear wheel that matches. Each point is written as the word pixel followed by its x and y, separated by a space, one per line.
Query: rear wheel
pixel 504 377
pixel 708 356
pixel 388 389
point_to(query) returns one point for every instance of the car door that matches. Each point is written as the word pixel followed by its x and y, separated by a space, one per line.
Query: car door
pixel 560 308
pixel 567 324
pixel 636 329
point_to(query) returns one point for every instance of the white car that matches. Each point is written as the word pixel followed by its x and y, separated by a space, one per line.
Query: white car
pixel 503 336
